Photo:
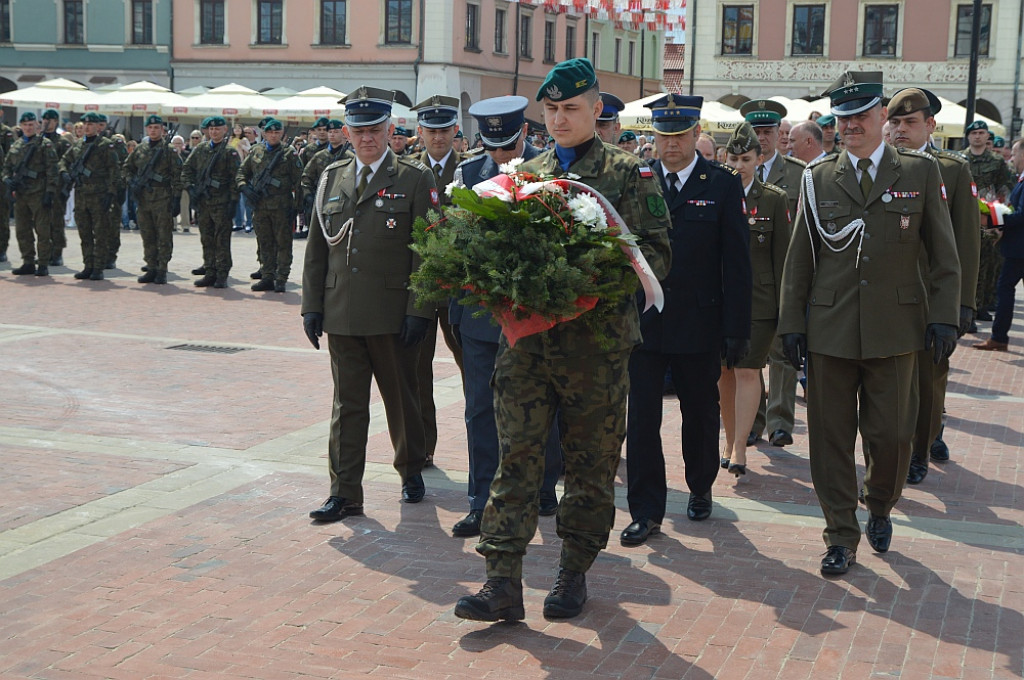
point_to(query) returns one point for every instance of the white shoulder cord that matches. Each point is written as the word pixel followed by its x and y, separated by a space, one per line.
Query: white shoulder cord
pixel 849 232
pixel 346 229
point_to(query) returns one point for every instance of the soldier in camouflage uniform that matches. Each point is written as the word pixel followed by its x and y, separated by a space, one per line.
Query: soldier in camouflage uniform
pixel 112 226
pixel 93 169
pixel 209 177
pixel 5 212
pixel 993 180
pixel 269 177
pixel 336 148
pixel 58 239
pixel 30 174
pixel 565 368
pixel 317 141
pixel 152 173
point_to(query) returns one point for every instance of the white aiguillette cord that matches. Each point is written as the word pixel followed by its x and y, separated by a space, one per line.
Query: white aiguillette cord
pixel 345 232
pixel 850 231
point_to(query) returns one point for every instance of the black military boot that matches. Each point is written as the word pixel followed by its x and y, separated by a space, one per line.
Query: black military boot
pixel 221 282
pixel 28 267
pixel 96 275
pixel 256 275
pixel 567 595
pixel 279 286
pixel 42 270
pixel 199 271
pixel 207 280
pixel 501 599
pixel 3 256
pixel 918 468
pixel 84 274
pixel 148 277
pixel 161 276
pixel 111 263
pixel 263 284
pixel 57 259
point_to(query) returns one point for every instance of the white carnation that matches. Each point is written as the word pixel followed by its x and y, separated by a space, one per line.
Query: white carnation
pixel 510 167
pixel 587 210
pixel 456 184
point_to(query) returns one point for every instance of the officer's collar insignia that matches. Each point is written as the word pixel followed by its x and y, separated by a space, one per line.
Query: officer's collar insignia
pixel 554 93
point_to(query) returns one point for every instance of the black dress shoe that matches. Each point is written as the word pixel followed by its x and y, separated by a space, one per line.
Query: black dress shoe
pixel 752 438
pixel 567 595
pixel 737 469
pixel 983 315
pixel 468 525
pixel 780 438
pixel 939 452
pixel 638 532
pixel 501 599
pixel 837 560
pixel 699 506
pixel 879 531
pixel 413 489
pixel 335 508
pixel 547 507
pixel 918 468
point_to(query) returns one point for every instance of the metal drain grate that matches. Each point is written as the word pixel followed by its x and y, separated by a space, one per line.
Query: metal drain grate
pixel 211 349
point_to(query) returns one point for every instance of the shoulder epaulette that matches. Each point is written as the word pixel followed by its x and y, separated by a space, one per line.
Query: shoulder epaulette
pixel 722 166
pixel 823 159
pixel 414 162
pixel 478 158
pixel 913 152
pixel 341 162
pixel 774 189
pixel 951 155
pixel 795 161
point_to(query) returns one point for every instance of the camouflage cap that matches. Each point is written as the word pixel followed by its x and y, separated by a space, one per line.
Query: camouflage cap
pixel 154 120
pixel 976 125
pixel 763 112
pixel 27 117
pixel 50 113
pixel 743 139
pixel 568 79
pixel 91 117
pixel 855 92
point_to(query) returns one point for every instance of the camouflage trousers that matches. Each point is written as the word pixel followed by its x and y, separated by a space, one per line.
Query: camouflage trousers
pixel 58 237
pixel 5 221
pixel 32 228
pixel 91 216
pixel 113 230
pixel 273 228
pixel 590 392
pixel 214 222
pixel 156 227
pixel 988 271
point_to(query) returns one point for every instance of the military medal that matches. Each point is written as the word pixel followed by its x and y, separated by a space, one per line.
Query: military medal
pixel 379 202
pixel 753 220
pixel 886 197
pixel 391 223
pixel 760 238
pixel 904 221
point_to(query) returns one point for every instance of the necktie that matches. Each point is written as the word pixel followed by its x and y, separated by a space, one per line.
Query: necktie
pixel 364 179
pixel 437 169
pixel 760 173
pixel 672 190
pixel 865 177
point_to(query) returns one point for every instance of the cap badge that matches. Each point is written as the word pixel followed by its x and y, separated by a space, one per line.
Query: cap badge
pixel 761 105
pixel 848 79
pixel 907 105
pixel 554 92
pixel 494 122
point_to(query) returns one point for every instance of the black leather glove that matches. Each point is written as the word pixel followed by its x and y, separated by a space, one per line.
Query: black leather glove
pixel 106 202
pixel 120 196
pixel 457 334
pixel 48 199
pixel 175 206
pixel 966 319
pixel 794 346
pixel 941 339
pixel 313 325
pixel 734 349
pixel 414 329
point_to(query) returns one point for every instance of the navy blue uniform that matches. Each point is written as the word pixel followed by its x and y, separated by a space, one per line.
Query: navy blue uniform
pixel 479 349
pixel 707 298
pixel 1011 247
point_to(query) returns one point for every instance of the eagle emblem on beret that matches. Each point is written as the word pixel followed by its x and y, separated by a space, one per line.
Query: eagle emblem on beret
pixel 554 92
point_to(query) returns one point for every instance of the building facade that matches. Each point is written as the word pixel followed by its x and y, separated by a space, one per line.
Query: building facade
pixel 738 50
pixel 93 42
pixel 468 49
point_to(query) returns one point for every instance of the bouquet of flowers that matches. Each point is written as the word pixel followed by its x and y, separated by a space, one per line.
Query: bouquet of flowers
pixel 996 210
pixel 533 251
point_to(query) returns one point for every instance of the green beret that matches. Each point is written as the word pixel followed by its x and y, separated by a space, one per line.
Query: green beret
pixel 26 117
pixel 322 121
pixel 103 117
pixel 627 136
pixel 213 121
pixel 459 135
pixel 977 125
pixel 272 125
pixel 763 112
pixel 92 117
pixel 991 136
pixel 334 124
pixel 999 142
pixel 154 120
pixel 567 80
pixel 743 139
pixel 51 113
pixel 828 120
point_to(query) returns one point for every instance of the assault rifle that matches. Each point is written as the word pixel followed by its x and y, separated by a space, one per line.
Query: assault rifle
pixel 198 191
pixel 257 190
pixel 78 171
pixel 148 175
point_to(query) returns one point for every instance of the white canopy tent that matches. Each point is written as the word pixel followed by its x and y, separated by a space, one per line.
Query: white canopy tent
pixel 231 101
pixel 308 105
pixel 59 93
pixel 714 116
pixel 137 99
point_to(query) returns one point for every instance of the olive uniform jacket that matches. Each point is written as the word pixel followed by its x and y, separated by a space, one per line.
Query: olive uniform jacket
pixel 629 184
pixel 785 174
pixel 770 229
pixel 103 166
pixel 282 190
pixel 165 182
pixel 42 166
pixel 962 200
pixel 222 186
pixel 873 302
pixel 361 285
pixel 447 171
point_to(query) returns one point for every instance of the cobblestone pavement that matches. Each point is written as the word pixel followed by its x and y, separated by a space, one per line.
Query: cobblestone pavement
pixel 154 499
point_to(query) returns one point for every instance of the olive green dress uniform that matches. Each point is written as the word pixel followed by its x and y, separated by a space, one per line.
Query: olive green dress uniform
pixel 768 216
pixel 864 309
pixel 360 286
pixel 58 237
pixel 316 166
pixel 94 196
pixel 274 215
pixel 154 201
pixel 565 369
pixel 215 211
pixel 993 179
pixel 34 198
